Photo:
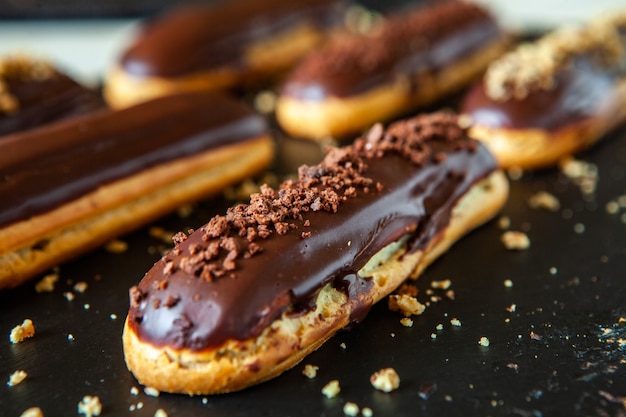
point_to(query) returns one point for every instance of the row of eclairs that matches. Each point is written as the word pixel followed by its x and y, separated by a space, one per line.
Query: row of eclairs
pixel 170 127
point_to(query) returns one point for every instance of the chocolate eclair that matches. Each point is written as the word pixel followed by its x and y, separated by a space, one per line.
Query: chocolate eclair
pixel 209 47
pixel 549 99
pixel 412 59
pixel 73 185
pixel 252 292
pixel 34 92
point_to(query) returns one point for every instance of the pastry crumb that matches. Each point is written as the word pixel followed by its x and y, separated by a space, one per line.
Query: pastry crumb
pixel 508 283
pixel 406 322
pixel 71 337
pixel 455 322
pixel 160 413
pixel 515 240
pixel 22 331
pixel 310 371
pixel 439 326
pixel 406 305
pixel 544 200
pixel 504 222
pixel 331 389
pixel 116 246
pixel 90 406
pixel 46 284
pixel 351 409
pixel 151 391
pixel 32 412
pixel 484 341
pixel 69 296
pixel 80 287
pixel 511 308
pixel 367 412
pixel 17 377
pixel 134 391
pixel 113 316
pixel 343 346
pixel 433 336
pixel 441 285
pixel 386 380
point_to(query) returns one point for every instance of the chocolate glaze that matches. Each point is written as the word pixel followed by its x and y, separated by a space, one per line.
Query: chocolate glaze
pixel 580 91
pixel 413 198
pixel 47 167
pixel 410 46
pixel 44 101
pixel 200 37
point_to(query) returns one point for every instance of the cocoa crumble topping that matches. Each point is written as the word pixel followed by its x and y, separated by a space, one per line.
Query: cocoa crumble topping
pixel 342 175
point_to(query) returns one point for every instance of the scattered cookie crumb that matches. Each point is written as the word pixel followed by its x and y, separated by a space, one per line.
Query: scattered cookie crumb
pixel 86 306
pixel 515 240
pixel 535 336
pixel 151 391
pixel 484 341
pixel 69 296
pixel 160 413
pixel 351 409
pixel 113 316
pixel 80 287
pixel 513 365
pixel 583 174
pixel 116 246
pixel 205 400
pixel 343 346
pixel 22 331
pixel 511 308
pixel 504 222
pixel 544 200
pixel 71 337
pixel 439 326
pixel 508 283
pixel 433 336
pixel 32 412
pixel 441 285
pixel 406 322
pixel 455 322
pixel 367 412
pixel 385 380
pixel 16 377
pixel 46 284
pixel 331 389
pixel 90 406
pixel 406 305
pixel 134 391
pixel 310 371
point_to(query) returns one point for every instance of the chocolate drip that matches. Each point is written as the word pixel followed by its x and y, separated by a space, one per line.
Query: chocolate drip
pixel 43 101
pixel 196 38
pixel 47 167
pixel 410 47
pixel 579 92
pixel 397 194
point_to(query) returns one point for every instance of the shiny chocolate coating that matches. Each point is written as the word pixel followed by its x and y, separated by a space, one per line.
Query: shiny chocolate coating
pixel 197 38
pixel 47 167
pixel 46 100
pixel 182 310
pixel 579 92
pixel 453 31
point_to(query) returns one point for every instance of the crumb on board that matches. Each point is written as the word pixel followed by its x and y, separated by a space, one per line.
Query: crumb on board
pixel 439 326
pixel 351 409
pixel 504 222
pixel 385 380
pixel 455 322
pixel 406 305
pixel 406 322
pixel 80 287
pixel 484 341
pixel 17 377
pixel 583 174
pixel 515 240
pixel 508 283
pixel 90 406
pixel 367 412
pixel 22 331
pixel 310 371
pixel 70 337
pixel 32 412
pixel 343 346
pixel 441 285
pixel 69 296
pixel 544 200
pixel 151 391
pixel 46 284
pixel 134 391
pixel 511 308
pixel 160 413
pixel 331 389
pixel 116 246
pixel 433 336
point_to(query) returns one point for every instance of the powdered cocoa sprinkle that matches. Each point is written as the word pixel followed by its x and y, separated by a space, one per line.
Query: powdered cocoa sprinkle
pixel 320 188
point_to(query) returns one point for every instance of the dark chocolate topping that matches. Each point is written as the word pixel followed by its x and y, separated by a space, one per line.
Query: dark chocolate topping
pixel 239 272
pixel 579 92
pixel 47 167
pixel 408 46
pixel 200 37
pixel 33 93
